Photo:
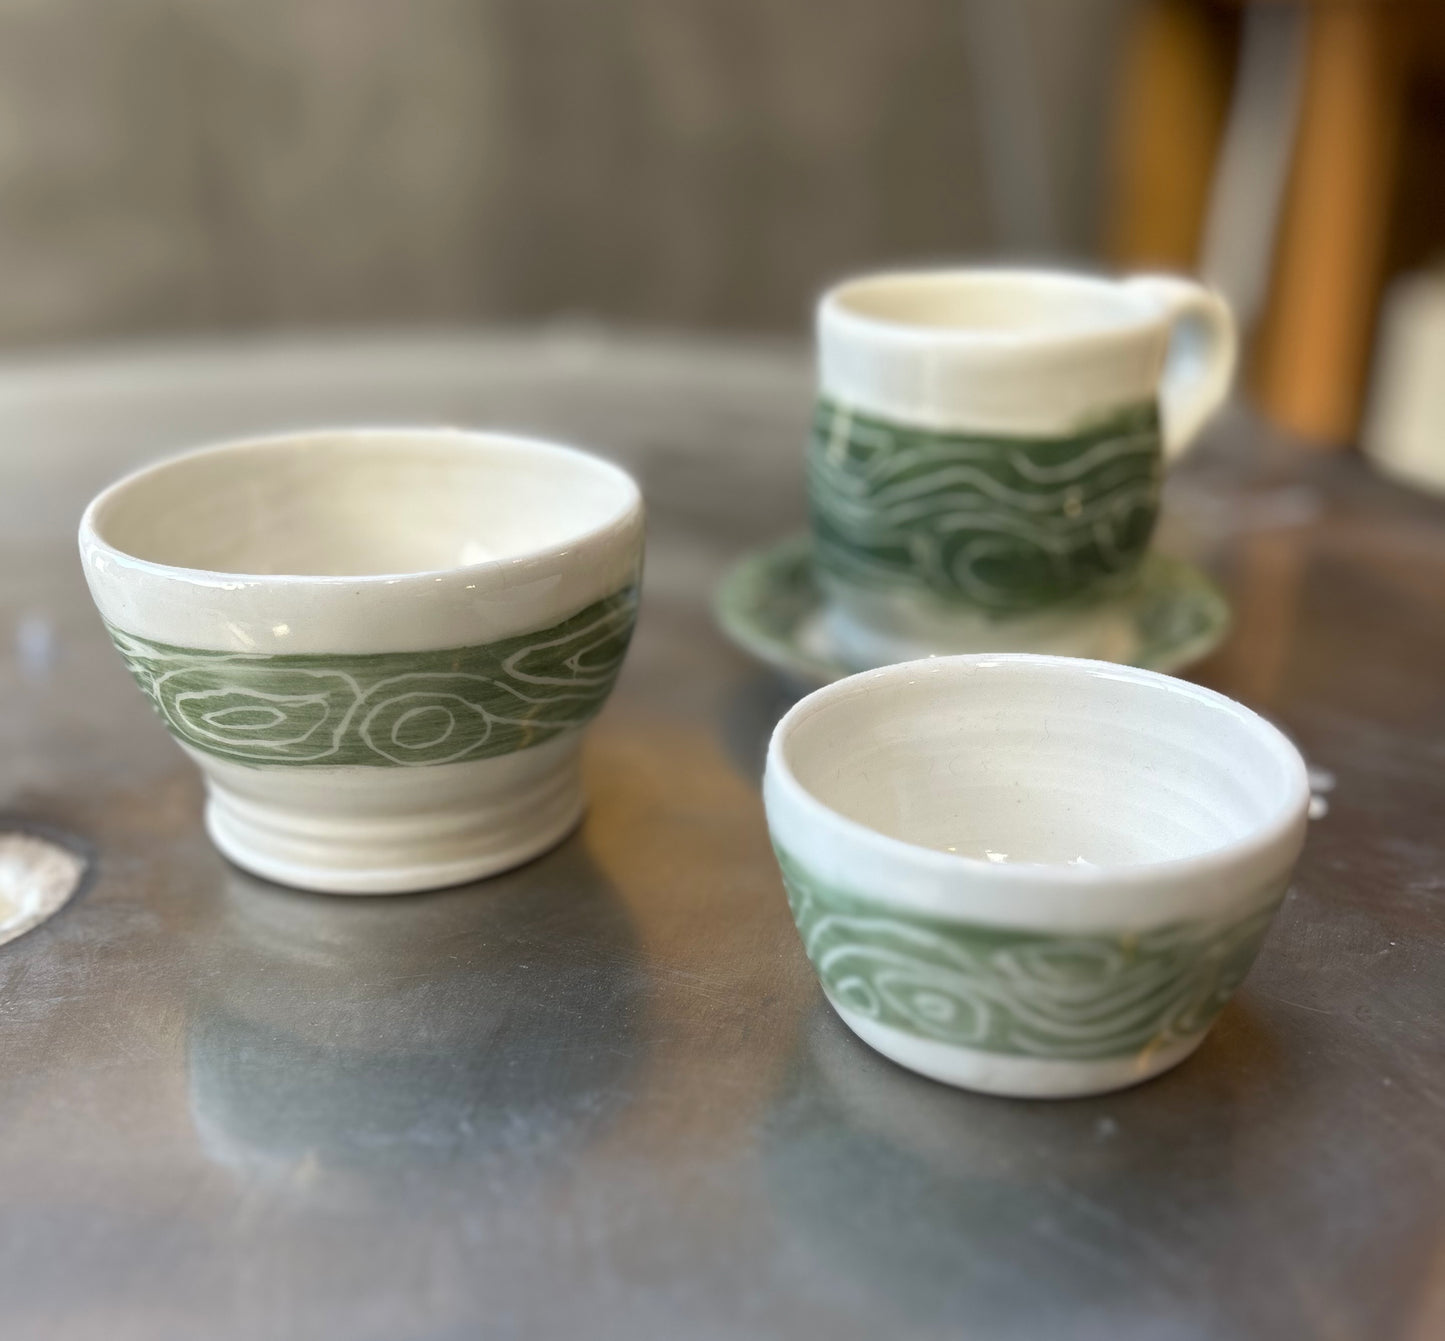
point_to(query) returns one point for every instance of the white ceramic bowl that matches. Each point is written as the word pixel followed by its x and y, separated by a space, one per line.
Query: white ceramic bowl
pixel 1028 875
pixel 380 646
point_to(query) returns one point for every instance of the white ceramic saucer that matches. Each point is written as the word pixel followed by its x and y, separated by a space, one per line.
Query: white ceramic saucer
pixel 770 605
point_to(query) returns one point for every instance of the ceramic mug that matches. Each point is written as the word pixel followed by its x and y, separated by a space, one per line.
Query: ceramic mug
pixel 381 647
pixel 1030 875
pixel 988 447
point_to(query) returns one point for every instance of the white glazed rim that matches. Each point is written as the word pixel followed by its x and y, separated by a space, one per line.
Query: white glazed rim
pixel 626 514
pixel 1134 313
pixel 1265 836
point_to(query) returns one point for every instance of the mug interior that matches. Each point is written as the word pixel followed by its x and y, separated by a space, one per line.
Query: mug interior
pixel 1043 760
pixel 361 503
pixel 991 302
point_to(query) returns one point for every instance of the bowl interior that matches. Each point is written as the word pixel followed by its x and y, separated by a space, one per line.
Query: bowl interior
pixel 1043 761
pixel 351 504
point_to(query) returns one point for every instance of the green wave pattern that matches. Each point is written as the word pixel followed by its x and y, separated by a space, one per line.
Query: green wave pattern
pixel 388 709
pixel 1003 523
pixel 1022 993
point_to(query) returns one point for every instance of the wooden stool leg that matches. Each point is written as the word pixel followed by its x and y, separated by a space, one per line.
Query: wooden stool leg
pixel 1169 117
pixel 1315 338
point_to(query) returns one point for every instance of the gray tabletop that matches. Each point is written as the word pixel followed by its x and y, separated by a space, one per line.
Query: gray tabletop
pixel 602 1095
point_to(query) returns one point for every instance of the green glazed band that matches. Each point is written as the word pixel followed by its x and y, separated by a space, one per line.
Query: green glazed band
pixel 1005 524
pixel 388 709
pixel 1021 993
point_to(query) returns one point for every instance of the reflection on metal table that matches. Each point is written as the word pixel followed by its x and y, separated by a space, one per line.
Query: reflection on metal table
pixel 603 1093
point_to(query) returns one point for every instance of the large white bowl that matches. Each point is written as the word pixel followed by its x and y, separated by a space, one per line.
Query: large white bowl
pixel 1029 875
pixel 380 646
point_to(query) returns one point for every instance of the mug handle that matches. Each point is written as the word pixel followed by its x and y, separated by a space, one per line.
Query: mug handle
pixel 1199 367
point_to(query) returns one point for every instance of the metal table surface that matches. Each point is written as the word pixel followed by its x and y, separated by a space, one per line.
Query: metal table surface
pixel 602 1094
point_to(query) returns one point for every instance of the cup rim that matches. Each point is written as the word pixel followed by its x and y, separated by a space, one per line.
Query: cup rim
pixel 1266 836
pixel 93 542
pixel 1138 314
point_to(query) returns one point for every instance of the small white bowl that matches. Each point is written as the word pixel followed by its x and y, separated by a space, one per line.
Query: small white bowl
pixel 380 646
pixel 1029 875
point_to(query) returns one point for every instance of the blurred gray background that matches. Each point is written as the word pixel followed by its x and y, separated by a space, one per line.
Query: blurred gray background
pixel 177 165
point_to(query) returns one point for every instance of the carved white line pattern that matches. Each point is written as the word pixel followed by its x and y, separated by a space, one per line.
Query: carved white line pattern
pixel 395 709
pixel 997 522
pixel 1019 992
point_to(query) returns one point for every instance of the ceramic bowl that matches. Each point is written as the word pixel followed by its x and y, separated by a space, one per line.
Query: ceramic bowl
pixel 1028 875
pixel 381 647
